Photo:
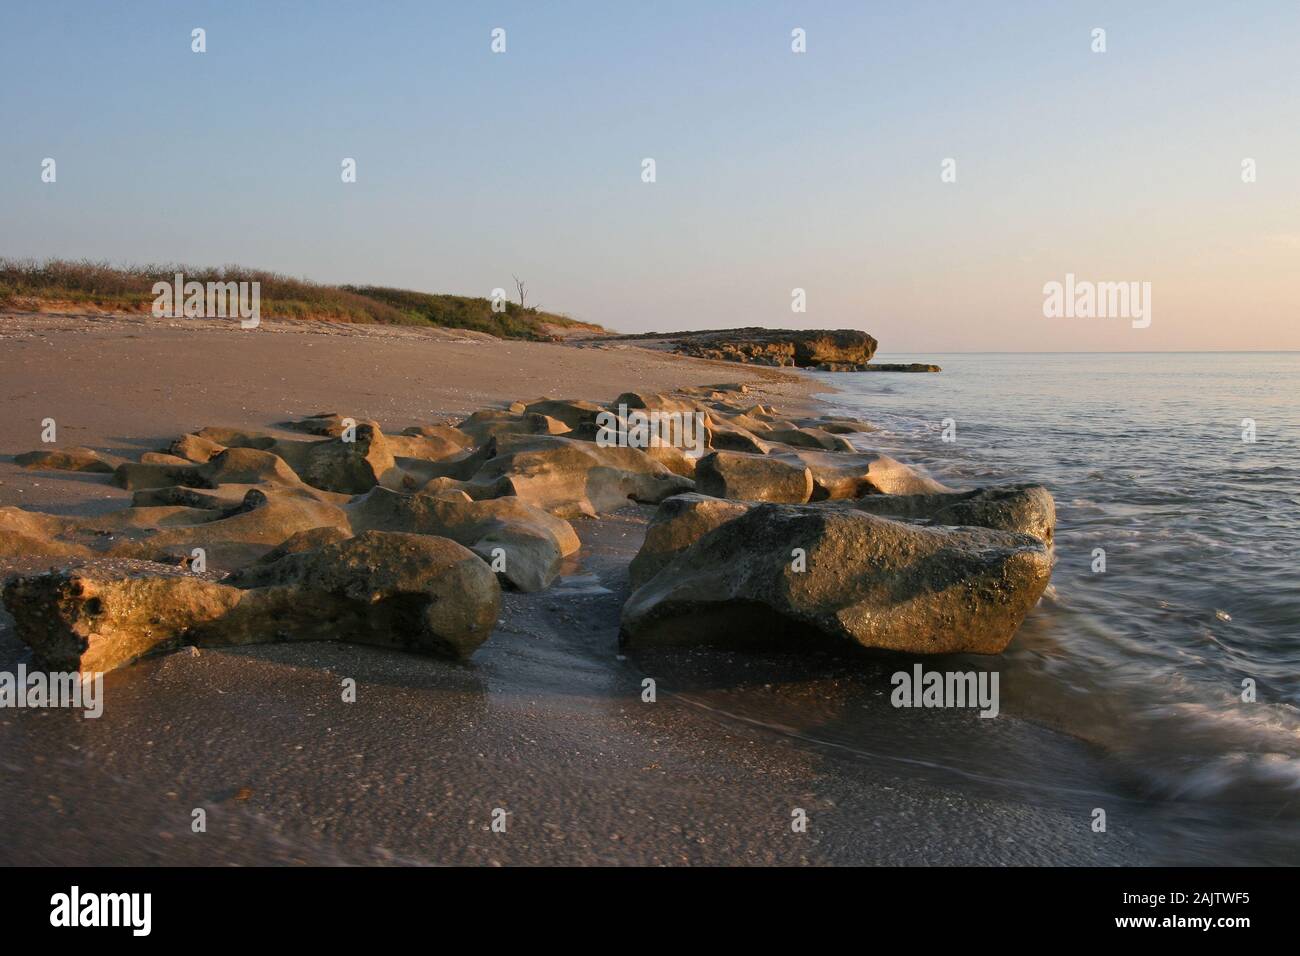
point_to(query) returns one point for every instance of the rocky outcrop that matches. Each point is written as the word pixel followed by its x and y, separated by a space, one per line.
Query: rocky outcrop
pixel 804 348
pixel 882 367
pixel 414 592
pixel 801 576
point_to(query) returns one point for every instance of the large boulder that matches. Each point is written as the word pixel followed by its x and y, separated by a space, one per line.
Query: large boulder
pixel 752 478
pixel 833 576
pixel 525 542
pixel 1027 508
pixel 682 520
pixel 92 620
pixel 415 592
pixel 412 591
pixel 678 523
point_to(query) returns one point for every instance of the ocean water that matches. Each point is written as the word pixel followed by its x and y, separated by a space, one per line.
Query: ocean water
pixel 1200 529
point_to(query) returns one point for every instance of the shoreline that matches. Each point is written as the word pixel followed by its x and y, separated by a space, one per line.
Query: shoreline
pixel 546 721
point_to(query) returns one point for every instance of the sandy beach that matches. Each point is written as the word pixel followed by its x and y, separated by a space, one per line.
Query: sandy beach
pixel 546 722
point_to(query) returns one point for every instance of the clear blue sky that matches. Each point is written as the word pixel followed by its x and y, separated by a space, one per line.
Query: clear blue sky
pixel 775 170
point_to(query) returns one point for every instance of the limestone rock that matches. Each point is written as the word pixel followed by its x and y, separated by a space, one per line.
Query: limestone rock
pixel 573 412
pixel 195 449
pixel 852 475
pixel 352 467
pixel 532 542
pixel 246 466
pixel 489 423
pixel 65 459
pixel 87 620
pixel 808 438
pixel 752 478
pixel 262 521
pixel 838 426
pixel 1026 508
pixel 163 458
pixel 570 478
pixel 133 475
pixel 409 591
pixel 869 582
pixel 412 591
pixel 678 523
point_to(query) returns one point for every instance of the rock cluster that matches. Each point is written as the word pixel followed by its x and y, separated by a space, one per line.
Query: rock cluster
pixel 329 528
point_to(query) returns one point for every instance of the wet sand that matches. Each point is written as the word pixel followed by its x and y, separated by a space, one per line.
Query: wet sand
pixel 547 721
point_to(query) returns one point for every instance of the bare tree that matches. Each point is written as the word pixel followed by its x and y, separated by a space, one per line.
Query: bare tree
pixel 522 289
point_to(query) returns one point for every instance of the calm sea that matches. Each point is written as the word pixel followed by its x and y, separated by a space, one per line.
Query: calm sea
pixel 1199 599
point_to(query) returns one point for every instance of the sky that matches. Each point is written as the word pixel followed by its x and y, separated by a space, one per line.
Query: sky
pixel 774 170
